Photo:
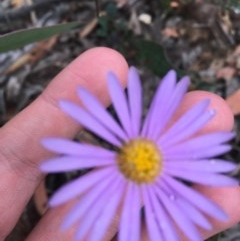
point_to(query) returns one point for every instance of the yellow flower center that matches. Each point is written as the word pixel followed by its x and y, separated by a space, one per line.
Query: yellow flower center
pixel 140 161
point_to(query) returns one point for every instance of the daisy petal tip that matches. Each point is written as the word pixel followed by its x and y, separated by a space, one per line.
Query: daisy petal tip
pixel 81 91
pixel 133 72
pixel 224 217
pixel 65 225
pixel 84 95
pixel 232 135
pixel 112 80
pixel 64 105
pixel 45 142
pixel 234 182
pixel 232 167
pixel 47 167
pixel 48 142
pixel 42 167
pixel 111 76
pixel 208 227
pixel 61 102
pixel 133 69
pixel 54 202
pixel 171 74
pixel 186 80
pixel 207 101
pixel 221 215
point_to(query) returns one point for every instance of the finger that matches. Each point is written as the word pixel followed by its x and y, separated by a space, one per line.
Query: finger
pixel 57 215
pixel 223 121
pixel 228 199
pixel 20 151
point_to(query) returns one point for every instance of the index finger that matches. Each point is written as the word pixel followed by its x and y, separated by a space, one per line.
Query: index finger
pixel 20 151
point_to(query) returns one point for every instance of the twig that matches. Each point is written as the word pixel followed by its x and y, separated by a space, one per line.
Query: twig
pixel 97 8
pixel 7 16
pixel 33 13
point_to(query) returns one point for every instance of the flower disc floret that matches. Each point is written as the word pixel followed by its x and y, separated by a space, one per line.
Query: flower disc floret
pixel 140 161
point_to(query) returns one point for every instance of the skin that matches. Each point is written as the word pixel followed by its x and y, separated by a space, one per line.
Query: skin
pixel 21 152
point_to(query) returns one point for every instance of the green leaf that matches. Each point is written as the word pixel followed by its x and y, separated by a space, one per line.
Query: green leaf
pixel 111 10
pixel 21 38
pixel 166 4
pixel 234 4
pixel 151 55
pixel 103 26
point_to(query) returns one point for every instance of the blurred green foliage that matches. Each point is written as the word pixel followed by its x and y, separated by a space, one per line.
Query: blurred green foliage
pixel 233 4
pixel 151 56
pixel 114 32
pixel 117 35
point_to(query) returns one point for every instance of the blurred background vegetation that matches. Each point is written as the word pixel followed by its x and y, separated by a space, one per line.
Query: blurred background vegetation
pixel 38 38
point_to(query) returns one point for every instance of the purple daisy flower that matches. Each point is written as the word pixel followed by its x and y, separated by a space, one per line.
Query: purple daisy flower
pixel 149 167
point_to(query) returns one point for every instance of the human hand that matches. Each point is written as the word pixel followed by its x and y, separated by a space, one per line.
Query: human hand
pixel 21 152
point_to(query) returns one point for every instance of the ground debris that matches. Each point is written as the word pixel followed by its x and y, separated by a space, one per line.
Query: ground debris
pixel 201 36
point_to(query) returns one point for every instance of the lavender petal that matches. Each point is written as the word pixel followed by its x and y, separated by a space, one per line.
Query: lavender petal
pixel 64 146
pixel 119 102
pixel 125 220
pixel 213 165
pixel 177 215
pixel 162 218
pixel 192 212
pixel 79 186
pixel 87 201
pixel 196 154
pixel 129 227
pixel 201 142
pixel 160 102
pixel 71 163
pixel 191 130
pixel 152 228
pixel 95 210
pixel 197 199
pixel 135 100
pixel 100 113
pixel 136 217
pixel 174 102
pixel 184 122
pixel 88 121
pixel 99 229
pixel 203 178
